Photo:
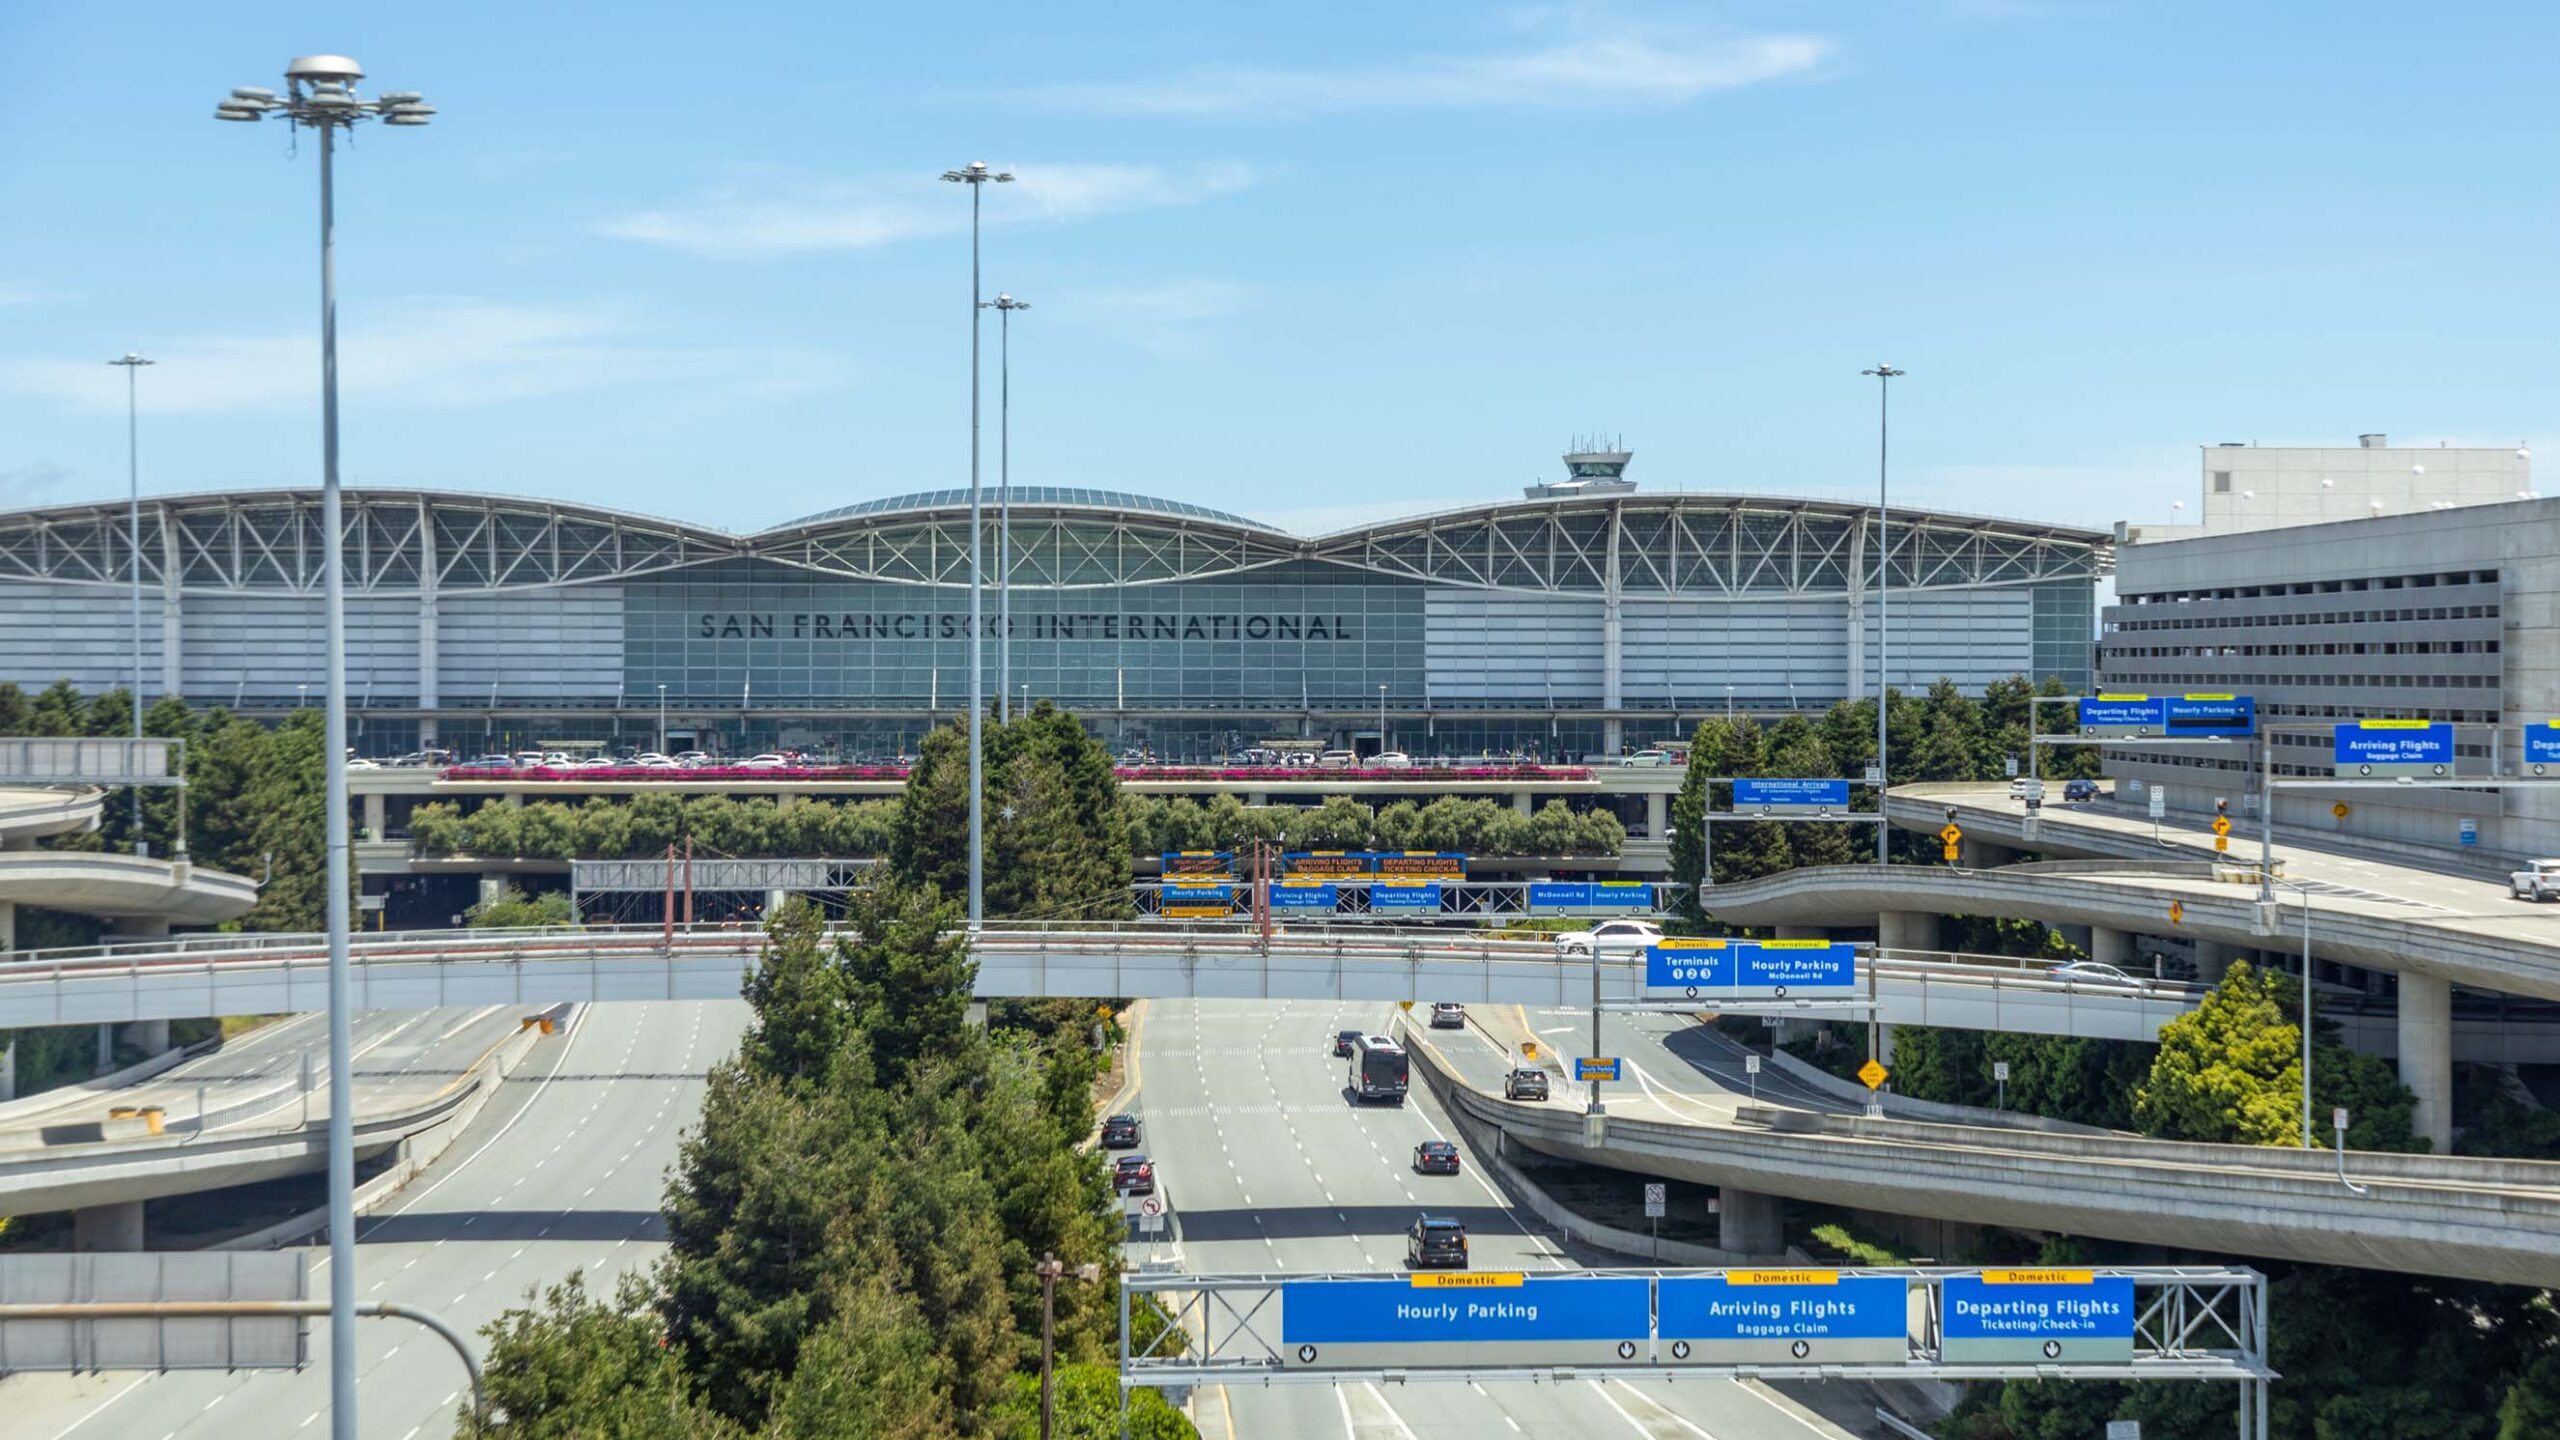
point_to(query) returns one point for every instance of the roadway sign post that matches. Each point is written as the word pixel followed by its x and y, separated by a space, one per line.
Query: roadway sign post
pixel 1811 1317
pixel 2037 1316
pixel 2392 749
pixel 1588 1068
pixel 1656 1199
pixel 1873 1075
pixel 1751 1067
pixel 2000 1077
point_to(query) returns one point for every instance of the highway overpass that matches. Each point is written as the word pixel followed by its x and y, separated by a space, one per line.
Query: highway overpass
pixel 2496 1220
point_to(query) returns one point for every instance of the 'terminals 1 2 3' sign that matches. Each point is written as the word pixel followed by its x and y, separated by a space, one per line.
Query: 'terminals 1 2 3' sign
pixel 1465 1318
pixel 2011 1316
pixel 1749 967
pixel 1744 1317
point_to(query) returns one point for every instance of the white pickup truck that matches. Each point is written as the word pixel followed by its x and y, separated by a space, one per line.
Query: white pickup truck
pixel 2538 880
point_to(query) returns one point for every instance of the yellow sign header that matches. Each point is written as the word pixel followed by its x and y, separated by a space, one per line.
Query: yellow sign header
pixel 1793 944
pixel 1782 1277
pixel 2393 724
pixel 2124 697
pixel 1470 1280
pixel 1692 943
pixel 2213 697
pixel 2038 1277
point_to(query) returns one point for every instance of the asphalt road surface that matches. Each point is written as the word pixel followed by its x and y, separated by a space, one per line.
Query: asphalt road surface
pixel 563 1171
pixel 1270 1168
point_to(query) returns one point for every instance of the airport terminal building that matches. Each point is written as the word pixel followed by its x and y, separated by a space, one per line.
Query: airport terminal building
pixel 1570 623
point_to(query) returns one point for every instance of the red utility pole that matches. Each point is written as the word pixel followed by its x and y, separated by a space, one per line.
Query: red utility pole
pixel 669 909
pixel 688 881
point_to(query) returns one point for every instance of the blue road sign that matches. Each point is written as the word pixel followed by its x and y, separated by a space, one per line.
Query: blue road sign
pixel 1589 1067
pixel 1466 1318
pixel 1195 902
pixel 2388 749
pixel 2123 714
pixel 2032 1316
pixel 1198 862
pixel 1740 969
pixel 1405 896
pixel 1779 797
pixel 1559 897
pixel 1621 894
pixel 2542 744
pixel 2206 715
pixel 1746 1317
pixel 1314 897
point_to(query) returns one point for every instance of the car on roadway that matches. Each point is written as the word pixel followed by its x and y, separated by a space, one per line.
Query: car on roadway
pixel 1647 759
pixel 1343 1040
pixel 2539 880
pixel 1526 1082
pixel 1619 939
pixel 1436 1242
pixel 2091 972
pixel 766 762
pixel 1391 760
pixel 2076 791
pixel 2026 787
pixel 1435 1157
pixel 1120 1132
pixel 1448 1015
pixel 1336 760
pixel 1133 1175
pixel 490 762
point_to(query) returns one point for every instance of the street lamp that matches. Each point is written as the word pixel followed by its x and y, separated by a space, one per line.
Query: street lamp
pixel 1382 722
pixel 975 175
pixel 662 719
pixel 1049 1269
pixel 2302 898
pixel 133 364
pixel 1004 305
pixel 320 95
pixel 1884 590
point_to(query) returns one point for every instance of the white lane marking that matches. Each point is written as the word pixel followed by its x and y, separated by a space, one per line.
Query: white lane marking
pixel 1641 1428
pixel 103 1406
pixel 557 1061
pixel 1685 1422
pixel 1792 1410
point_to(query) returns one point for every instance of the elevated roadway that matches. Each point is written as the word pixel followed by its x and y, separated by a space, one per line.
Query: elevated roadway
pixel 561 1172
pixel 128 888
pixel 1271 1169
pixel 2496 1220
pixel 271 974
pixel 235 1116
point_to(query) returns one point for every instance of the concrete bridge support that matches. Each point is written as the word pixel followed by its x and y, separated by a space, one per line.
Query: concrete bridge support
pixel 2213 961
pixel 1657 816
pixel 2111 947
pixel 107 1227
pixel 1972 854
pixel 1907 930
pixel 2426 1055
pixel 1750 1224
pixel 152 1036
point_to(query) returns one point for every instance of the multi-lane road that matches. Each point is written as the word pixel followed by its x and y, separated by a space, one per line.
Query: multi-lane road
pixel 1270 1169
pixel 562 1172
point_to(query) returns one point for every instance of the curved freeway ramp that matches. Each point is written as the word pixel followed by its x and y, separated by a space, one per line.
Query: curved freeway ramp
pixel 27 815
pixel 124 886
pixel 2495 1220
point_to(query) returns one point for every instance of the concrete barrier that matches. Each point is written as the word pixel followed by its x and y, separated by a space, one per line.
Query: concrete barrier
pixel 1908 1108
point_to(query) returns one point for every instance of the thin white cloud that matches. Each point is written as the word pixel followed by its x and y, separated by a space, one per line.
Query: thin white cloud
pixel 1167 318
pixel 738 225
pixel 17 294
pixel 437 352
pixel 1594 71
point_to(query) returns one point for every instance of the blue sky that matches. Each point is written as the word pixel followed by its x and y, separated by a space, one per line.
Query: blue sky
pixel 1316 263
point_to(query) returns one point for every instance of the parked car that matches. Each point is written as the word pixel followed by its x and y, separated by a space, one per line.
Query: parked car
pixel 1120 1132
pixel 1435 1157
pixel 1133 1175
pixel 491 762
pixel 2092 972
pixel 1336 760
pixel 1611 938
pixel 1647 759
pixel 1391 760
pixel 1527 1082
pixel 2538 880
pixel 766 762
pixel 1448 1015
pixel 1343 1040
pixel 1436 1242
pixel 2075 791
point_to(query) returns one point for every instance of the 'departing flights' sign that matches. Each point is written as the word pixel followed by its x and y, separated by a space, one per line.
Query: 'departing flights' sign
pixel 1082 625
pixel 2003 1316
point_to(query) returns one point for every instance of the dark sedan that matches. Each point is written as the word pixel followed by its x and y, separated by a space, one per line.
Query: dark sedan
pixel 1120 1132
pixel 1343 1040
pixel 1133 1175
pixel 1436 1157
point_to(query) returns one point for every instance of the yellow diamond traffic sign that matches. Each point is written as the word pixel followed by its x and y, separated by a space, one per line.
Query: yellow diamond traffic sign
pixel 1951 834
pixel 2177 912
pixel 1873 1074
pixel 2221 824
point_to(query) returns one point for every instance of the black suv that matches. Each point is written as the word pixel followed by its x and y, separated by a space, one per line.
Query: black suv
pixel 1526 1083
pixel 1435 1244
pixel 1343 1040
pixel 1120 1132
pixel 1435 1157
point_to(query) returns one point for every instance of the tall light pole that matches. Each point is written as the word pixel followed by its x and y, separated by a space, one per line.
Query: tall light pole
pixel 133 364
pixel 662 719
pixel 1004 305
pixel 1382 722
pixel 1884 590
pixel 320 94
pixel 975 175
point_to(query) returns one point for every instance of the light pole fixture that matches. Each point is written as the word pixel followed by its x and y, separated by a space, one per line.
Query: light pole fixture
pixel 133 364
pixel 976 175
pixel 1382 721
pixel 662 719
pixel 1004 305
pixel 1884 592
pixel 320 95
pixel 1050 1269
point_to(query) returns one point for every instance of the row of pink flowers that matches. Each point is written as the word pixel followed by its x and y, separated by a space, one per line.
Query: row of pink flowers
pixel 899 772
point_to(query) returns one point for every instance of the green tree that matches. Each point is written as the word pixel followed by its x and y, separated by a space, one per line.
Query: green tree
pixel 2231 1071
pixel 512 909
pixel 873 1372
pixel 2531 1410
pixel 801 1028
pixel 564 1366
pixel 1085 1405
